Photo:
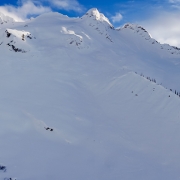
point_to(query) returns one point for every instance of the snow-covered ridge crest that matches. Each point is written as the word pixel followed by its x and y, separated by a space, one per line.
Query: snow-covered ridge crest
pixel 95 14
pixel 5 19
pixel 136 30
pixel 136 27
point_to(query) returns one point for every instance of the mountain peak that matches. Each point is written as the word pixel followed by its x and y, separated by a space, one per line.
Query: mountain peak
pixel 93 12
pixel 5 19
pixel 96 15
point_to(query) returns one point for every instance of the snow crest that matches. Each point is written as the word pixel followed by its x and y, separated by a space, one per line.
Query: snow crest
pixel 5 19
pixel 96 15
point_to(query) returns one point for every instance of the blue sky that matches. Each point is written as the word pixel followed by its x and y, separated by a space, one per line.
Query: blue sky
pixel 159 17
pixel 130 10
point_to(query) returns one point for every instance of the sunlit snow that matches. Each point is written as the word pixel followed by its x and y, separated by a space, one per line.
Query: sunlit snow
pixel 81 100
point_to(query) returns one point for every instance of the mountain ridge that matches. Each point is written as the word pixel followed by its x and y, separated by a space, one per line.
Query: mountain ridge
pixel 98 17
pixel 5 19
pixel 83 100
pixel 86 35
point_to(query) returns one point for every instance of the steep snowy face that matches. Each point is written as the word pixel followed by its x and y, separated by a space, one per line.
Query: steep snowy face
pixel 140 33
pixel 5 19
pixel 94 14
pixel 97 26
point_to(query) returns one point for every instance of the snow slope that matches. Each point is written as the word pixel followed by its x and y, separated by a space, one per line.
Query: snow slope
pixel 75 104
pixel 5 19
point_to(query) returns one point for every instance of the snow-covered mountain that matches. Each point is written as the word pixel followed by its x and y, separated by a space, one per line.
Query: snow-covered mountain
pixel 83 100
pixel 5 19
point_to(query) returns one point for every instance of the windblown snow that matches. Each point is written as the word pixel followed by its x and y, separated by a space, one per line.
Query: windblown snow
pixel 81 100
pixel 5 19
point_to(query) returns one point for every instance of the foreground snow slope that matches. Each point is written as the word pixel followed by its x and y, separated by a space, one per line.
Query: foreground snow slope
pixel 72 106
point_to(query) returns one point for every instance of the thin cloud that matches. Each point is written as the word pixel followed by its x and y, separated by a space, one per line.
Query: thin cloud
pixel 175 3
pixel 164 27
pixel 67 5
pixel 28 8
pixel 117 18
pixel 23 11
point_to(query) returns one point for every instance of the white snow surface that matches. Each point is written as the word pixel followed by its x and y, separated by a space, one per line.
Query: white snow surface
pixel 76 103
pixel 5 19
